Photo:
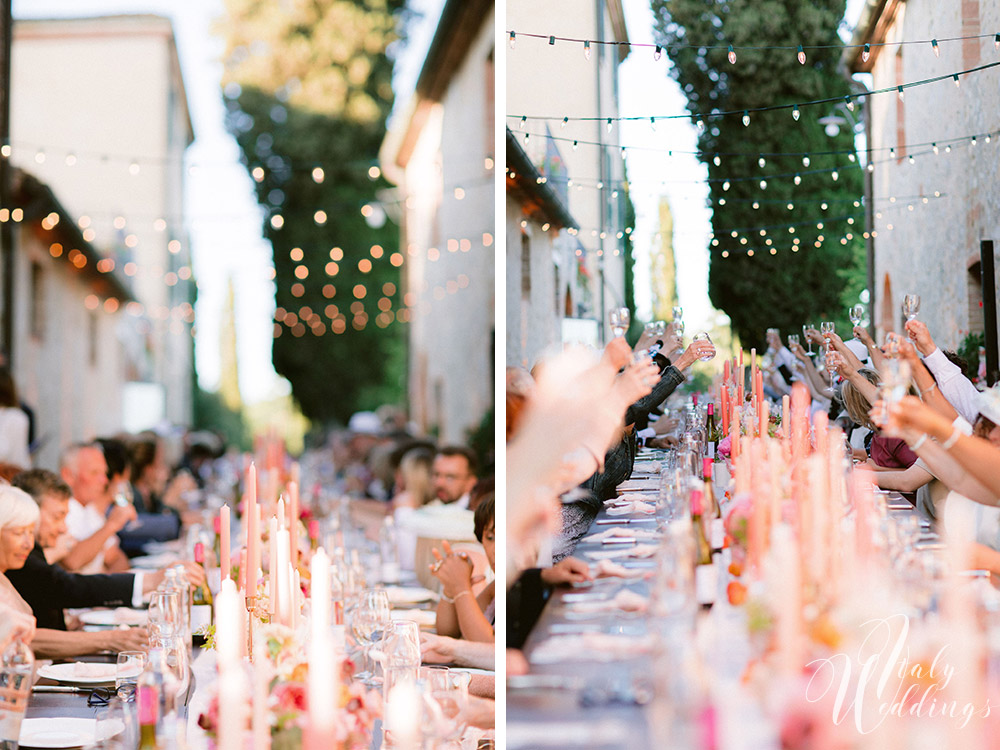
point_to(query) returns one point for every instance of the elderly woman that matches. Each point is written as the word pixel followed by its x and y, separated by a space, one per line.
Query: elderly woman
pixel 19 518
pixel 460 612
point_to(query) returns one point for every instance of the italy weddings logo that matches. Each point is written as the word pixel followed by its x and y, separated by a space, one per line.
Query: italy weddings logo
pixel 884 679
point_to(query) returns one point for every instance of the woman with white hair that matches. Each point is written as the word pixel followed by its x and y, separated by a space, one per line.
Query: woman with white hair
pixel 18 523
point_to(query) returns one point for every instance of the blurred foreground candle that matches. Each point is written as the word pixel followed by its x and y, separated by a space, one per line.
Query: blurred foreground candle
pixel 229 646
pixel 322 699
pixel 293 515
pixel 259 725
pixel 225 566
pixel 243 571
pixel 252 523
pixel 320 593
pixel 402 716
pixel 273 576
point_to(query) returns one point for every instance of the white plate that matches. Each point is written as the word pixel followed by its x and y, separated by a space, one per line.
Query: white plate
pixel 58 732
pixel 114 617
pixel 99 674
pixel 409 595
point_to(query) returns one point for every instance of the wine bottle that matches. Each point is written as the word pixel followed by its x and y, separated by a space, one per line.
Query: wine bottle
pixel 201 599
pixel 147 696
pixel 705 573
pixel 716 529
pixel 711 433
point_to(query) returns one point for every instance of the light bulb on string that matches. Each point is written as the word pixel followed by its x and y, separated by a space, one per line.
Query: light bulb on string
pixel 700 125
pixel 849 102
pixel 527 137
pixel 935 149
pixel 934 46
pixel 996 42
pixel 575 144
pixel 795 113
pixel 947 149
pixel 761 162
pixel 806 161
pixel 756 205
pixel 823 206
pixel 801 56
pixel 988 137
pixel 866 53
pixel 851 157
pixel 870 167
pixel 763 184
pixel 552 41
pixel 892 153
pixel 732 55
pixel 974 141
pixel 835 175
pixel 717 161
pixel 725 185
pixel 623 152
pixel 790 206
pixel 586 50
pixel 512 40
pixel 798 179
pixel 910 159
pixel 658 52
pixel 957 82
pixel 610 125
pixel 746 118
pixel 722 201
pixel 899 90
pixel 524 120
pixel 652 124
pixel 564 123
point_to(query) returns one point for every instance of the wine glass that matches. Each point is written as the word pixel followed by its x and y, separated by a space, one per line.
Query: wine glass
pixel 805 334
pixel 856 314
pixel 826 328
pixel 369 622
pixel 793 340
pixel 702 336
pixel 678 313
pixel 911 305
pixel 619 319
pixel 659 328
pixel 176 672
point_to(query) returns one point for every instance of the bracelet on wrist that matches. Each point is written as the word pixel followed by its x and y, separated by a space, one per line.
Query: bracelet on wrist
pixel 920 441
pixel 955 435
pixel 925 391
pixel 459 595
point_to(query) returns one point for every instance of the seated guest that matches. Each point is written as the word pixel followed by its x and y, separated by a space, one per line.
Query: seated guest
pixel 147 527
pixel 153 491
pixel 49 589
pixel 84 468
pixel 453 475
pixel 19 517
pixel 460 612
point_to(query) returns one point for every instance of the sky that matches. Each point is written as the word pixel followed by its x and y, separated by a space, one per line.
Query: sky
pixel 222 216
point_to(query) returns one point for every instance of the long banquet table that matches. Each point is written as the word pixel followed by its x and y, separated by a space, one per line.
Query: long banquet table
pixel 593 703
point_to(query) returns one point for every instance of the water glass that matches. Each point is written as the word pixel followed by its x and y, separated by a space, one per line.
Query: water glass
pixel 703 336
pixel 129 667
pixel 369 622
pixel 400 655
pixel 619 319
pixel 176 671
pixel 911 306
pixel 165 619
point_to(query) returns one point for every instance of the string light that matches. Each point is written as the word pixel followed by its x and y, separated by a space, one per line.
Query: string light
pixel 798 179
pixel 524 120
pixel 512 39
pixel 806 161
pixel 746 118
pixel 552 41
pixel 565 122
pixel 657 53
pixel 850 103
pixel 717 160
pixel 866 53
pixel 731 55
pixel 761 162
pixel 934 46
pixel 610 124
pixel 586 50
pixel 795 113
pixel 957 82
pixel 899 89
pixel 801 55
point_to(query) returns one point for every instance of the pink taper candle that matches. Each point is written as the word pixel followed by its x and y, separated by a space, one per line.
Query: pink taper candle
pixel 293 525
pixel 225 565
pixel 252 524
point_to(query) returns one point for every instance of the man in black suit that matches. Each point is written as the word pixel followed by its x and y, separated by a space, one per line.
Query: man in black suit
pixel 48 589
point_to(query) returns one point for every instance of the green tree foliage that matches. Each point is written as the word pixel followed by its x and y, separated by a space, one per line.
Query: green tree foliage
pixel 308 84
pixel 788 288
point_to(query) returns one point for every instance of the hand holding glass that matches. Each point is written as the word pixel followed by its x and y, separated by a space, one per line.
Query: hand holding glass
pixel 619 319
pixel 911 306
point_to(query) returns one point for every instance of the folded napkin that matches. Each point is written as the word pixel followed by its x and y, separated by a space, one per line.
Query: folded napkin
pixel 629 506
pixel 636 484
pixel 621 532
pixel 608 569
pixel 589 647
pixel 632 497
pixel 624 601
pixel 639 551
pixel 646 467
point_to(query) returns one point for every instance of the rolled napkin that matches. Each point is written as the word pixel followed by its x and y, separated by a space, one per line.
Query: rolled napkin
pixel 624 601
pixel 638 506
pixel 608 569
pixel 620 532
pixel 639 551
pixel 631 485
pixel 590 647
pixel 646 467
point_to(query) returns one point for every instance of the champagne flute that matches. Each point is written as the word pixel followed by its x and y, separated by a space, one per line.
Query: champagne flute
pixel 856 314
pixel 793 339
pixel 805 334
pixel 911 305
pixel 702 336
pixel 678 321
pixel 619 319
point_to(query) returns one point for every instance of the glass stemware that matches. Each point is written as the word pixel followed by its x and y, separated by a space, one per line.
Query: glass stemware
pixel 793 340
pixel 805 334
pixel 369 621
pixel 127 670
pixel 857 315
pixel 619 319
pixel 911 306
pixel 176 674
pixel 702 336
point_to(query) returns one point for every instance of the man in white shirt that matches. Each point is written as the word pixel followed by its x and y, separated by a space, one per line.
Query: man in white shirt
pixel 453 475
pixel 954 386
pixel 96 549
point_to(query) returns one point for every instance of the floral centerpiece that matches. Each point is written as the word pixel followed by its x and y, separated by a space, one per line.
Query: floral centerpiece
pixel 356 707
